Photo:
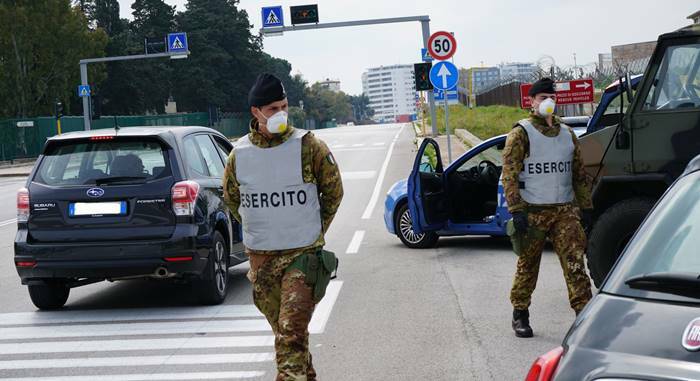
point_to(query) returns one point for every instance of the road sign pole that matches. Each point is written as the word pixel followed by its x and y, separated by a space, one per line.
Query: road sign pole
pixel 447 130
pixel 425 26
pixel 86 100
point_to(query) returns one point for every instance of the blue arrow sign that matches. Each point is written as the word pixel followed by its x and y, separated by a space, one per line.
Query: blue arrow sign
pixel 84 91
pixel 177 43
pixel 272 16
pixel 444 75
pixel 425 56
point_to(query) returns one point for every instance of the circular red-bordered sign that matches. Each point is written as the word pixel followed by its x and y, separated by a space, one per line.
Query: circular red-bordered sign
pixel 442 45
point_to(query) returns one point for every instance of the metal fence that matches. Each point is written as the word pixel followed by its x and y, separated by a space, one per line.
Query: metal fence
pixel 25 138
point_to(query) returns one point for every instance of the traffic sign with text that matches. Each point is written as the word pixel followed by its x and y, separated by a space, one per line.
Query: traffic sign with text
pixel 442 45
pixel 440 95
pixel 444 75
pixel 568 92
pixel 272 16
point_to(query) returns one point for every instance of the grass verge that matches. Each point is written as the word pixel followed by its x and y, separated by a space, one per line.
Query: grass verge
pixel 484 122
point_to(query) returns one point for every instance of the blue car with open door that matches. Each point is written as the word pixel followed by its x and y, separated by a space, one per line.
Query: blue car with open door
pixel 466 198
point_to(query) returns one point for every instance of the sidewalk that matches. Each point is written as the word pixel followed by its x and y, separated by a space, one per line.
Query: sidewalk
pixel 457 143
pixel 18 169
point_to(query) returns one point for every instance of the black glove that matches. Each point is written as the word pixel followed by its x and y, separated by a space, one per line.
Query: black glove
pixel 586 218
pixel 520 222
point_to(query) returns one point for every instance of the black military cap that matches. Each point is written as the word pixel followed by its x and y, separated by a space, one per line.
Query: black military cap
pixel 544 85
pixel 267 89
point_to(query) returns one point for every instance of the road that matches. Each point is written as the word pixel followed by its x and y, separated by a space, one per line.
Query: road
pixel 392 314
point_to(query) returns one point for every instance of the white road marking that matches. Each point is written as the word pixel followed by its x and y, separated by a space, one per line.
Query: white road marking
pixel 133 329
pixel 338 146
pixel 149 376
pixel 88 361
pixel 118 315
pixel 323 309
pixel 358 149
pixel 8 222
pixel 378 186
pixel 358 145
pixel 137 344
pixel 379 144
pixel 355 242
pixel 358 175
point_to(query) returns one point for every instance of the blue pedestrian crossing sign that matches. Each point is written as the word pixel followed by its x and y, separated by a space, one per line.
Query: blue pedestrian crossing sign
pixel 272 16
pixel 425 55
pixel 84 91
pixel 444 75
pixel 177 43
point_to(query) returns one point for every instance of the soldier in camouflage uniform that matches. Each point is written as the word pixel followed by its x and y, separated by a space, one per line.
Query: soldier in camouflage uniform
pixel 280 292
pixel 548 195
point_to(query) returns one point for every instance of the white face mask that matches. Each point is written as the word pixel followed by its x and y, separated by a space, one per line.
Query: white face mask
pixel 277 123
pixel 547 107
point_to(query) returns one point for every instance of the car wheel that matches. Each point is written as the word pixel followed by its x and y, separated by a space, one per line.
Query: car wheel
pixel 214 281
pixel 404 229
pixel 49 296
pixel 610 234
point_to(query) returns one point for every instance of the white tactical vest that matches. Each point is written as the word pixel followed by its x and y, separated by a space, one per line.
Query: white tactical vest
pixel 278 210
pixel 547 172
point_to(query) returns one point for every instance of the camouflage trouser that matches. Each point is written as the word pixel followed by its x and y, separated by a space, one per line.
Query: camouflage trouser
pixel 563 227
pixel 287 303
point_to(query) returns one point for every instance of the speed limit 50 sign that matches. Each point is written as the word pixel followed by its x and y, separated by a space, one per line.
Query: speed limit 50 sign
pixel 442 45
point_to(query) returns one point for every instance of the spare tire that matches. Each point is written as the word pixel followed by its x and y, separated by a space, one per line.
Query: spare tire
pixel 610 234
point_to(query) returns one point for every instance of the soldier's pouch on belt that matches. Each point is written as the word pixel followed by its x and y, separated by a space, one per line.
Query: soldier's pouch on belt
pixel 319 268
pixel 521 241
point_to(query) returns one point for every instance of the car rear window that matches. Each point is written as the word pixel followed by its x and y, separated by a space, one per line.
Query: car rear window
pixel 86 162
pixel 667 242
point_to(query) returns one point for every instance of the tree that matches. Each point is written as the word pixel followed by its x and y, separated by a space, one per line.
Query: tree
pixel 153 20
pixel 324 105
pixel 225 57
pixel 360 107
pixel 41 42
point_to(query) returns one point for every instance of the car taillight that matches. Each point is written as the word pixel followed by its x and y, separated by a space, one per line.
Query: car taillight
pixel 544 367
pixel 184 198
pixel 23 205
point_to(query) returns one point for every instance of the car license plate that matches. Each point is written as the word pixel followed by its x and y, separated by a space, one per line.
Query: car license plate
pixel 97 208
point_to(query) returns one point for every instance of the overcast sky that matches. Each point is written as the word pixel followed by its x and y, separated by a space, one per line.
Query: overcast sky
pixel 488 32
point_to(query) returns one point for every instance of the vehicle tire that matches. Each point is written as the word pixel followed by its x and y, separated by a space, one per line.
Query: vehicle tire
pixel 49 296
pixel 214 281
pixel 405 232
pixel 611 232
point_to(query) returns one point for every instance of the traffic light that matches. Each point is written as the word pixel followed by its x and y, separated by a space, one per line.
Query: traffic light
pixel 422 75
pixel 304 14
pixel 58 109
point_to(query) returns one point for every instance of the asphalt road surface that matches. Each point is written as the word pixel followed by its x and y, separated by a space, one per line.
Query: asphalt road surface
pixel 392 314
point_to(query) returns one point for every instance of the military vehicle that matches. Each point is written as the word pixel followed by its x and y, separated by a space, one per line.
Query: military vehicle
pixel 643 146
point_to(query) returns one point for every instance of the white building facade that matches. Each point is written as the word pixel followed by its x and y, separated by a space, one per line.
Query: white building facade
pixel 522 71
pixel 391 91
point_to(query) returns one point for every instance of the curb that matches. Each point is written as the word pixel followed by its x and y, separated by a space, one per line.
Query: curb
pixel 467 138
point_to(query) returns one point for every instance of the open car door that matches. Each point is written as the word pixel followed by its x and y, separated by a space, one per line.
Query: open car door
pixel 427 199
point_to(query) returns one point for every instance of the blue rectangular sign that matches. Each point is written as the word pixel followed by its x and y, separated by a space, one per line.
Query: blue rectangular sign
pixel 425 56
pixel 272 16
pixel 177 43
pixel 440 95
pixel 84 91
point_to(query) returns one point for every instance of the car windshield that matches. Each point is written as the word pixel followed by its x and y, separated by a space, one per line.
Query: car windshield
pixel 665 248
pixel 95 162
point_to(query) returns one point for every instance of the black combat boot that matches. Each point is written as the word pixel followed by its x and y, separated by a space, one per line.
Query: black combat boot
pixel 521 323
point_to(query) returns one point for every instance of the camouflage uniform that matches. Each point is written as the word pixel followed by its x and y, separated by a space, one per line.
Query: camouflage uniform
pixel 283 296
pixel 561 223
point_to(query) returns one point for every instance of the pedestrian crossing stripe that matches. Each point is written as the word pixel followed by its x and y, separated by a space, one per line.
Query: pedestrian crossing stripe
pixel 177 44
pixel 272 18
pixel 184 343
